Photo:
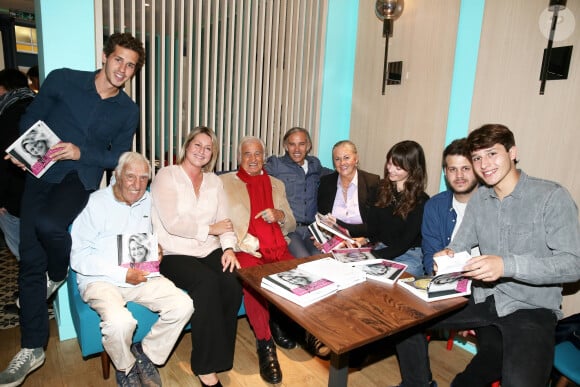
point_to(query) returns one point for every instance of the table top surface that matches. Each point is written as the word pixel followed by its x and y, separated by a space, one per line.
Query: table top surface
pixel 355 316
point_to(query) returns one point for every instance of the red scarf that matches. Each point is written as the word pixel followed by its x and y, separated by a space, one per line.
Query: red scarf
pixel 272 243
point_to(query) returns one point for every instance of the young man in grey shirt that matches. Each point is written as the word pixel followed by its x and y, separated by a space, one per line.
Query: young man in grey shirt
pixel 528 233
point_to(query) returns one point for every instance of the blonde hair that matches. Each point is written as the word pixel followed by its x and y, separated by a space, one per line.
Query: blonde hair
pixel 209 167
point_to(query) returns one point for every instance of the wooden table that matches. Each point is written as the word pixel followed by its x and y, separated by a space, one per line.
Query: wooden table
pixel 352 317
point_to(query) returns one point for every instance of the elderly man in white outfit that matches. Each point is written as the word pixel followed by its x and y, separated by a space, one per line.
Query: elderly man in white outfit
pixel 124 207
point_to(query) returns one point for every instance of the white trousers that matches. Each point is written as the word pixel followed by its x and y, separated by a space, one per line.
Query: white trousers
pixel 158 294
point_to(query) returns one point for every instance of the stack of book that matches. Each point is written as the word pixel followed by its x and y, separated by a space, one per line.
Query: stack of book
pixel 299 286
pixel 343 275
pixel 378 269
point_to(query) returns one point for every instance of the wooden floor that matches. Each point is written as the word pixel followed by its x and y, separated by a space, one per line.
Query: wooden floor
pixel 64 365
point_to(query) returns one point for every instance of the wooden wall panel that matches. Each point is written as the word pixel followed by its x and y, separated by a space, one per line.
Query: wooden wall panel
pixel 546 127
pixel 424 39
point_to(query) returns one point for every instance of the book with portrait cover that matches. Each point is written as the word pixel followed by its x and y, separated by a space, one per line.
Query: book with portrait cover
pixel 382 270
pixel 448 283
pixel 138 251
pixel 353 255
pixel 299 286
pixel 342 274
pixel 32 148
pixel 324 222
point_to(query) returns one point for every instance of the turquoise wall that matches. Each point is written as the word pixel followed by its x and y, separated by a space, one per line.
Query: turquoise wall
pixel 66 38
pixel 337 79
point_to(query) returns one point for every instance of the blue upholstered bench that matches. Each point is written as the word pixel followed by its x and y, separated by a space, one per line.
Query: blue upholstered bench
pixel 86 322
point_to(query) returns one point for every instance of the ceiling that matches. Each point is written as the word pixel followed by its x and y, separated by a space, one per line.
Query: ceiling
pixel 22 5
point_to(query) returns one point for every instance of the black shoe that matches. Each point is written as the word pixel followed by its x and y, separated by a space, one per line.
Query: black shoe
pixel 281 338
pixel 269 367
pixel 315 346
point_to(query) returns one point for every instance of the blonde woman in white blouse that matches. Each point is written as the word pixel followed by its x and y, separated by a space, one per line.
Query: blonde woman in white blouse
pixel 189 216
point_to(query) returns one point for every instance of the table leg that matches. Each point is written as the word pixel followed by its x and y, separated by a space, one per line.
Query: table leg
pixel 338 370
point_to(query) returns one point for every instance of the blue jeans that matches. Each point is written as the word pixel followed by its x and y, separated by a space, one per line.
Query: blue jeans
pixel 10 226
pixel 413 258
pixel 300 243
pixel 517 348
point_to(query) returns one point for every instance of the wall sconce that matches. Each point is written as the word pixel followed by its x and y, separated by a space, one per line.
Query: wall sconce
pixel 555 6
pixel 388 11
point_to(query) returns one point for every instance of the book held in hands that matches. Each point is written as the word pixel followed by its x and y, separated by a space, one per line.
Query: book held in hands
pixel 299 286
pixel 139 251
pixel 32 148
pixel 448 283
pixel 329 234
pixel 325 222
pixel 382 270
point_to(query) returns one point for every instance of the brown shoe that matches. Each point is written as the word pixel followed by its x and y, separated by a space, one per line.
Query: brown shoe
pixel 315 346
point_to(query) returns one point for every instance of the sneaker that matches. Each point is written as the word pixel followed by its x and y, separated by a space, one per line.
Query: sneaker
pixel 51 287
pixel 129 380
pixel 23 363
pixel 148 373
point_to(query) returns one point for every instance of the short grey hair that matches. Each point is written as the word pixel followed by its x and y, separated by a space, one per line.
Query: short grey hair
pixel 247 139
pixel 298 129
pixel 130 158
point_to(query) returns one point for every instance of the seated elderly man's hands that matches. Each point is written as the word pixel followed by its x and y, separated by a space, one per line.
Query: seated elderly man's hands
pixel 135 276
pixel 271 215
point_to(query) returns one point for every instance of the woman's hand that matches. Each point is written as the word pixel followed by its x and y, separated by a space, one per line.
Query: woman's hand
pixel 221 227
pixel 229 260
pixel 359 241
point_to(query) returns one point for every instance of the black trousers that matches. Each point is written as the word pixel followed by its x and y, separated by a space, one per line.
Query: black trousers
pixel 517 348
pixel 46 212
pixel 217 296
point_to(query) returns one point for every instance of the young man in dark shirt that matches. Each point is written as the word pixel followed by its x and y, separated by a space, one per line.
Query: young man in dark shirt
pixel 96 121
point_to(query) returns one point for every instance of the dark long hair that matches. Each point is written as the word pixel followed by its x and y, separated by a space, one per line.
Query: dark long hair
pixel 409 156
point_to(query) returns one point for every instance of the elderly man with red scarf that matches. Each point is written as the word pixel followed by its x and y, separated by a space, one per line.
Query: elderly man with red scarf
pixel 262 218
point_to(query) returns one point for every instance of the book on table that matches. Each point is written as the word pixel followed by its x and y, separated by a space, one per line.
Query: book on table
pixel 32 148
pixel 448 283
pixel 342 274
pixel 138 251
pixel 299 286
pixel 355 254
pixel 382 270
